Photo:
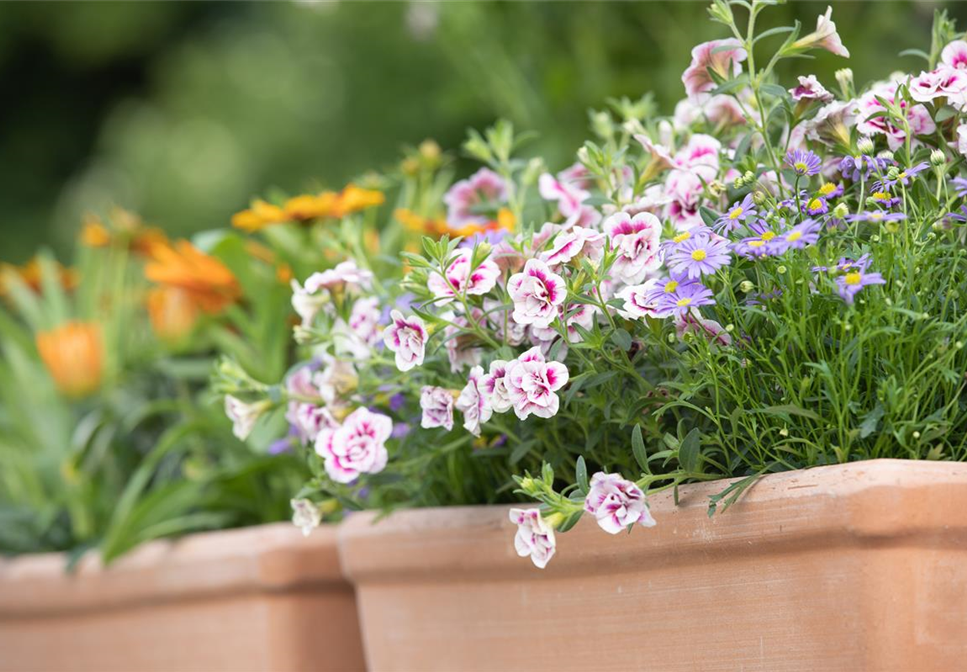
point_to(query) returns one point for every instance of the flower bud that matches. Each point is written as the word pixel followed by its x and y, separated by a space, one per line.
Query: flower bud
pixel 893 173
pixel 886 155
pixel 783 432
pixel 746 286
pixel 840 211
pixel 938 158
pixel 758 197
pixel 716 188
pixel 430 150
pixel 781 270
pixel 844 77
pixel 601 124
pixel 532 172
pixel 865 145
pixel 891 226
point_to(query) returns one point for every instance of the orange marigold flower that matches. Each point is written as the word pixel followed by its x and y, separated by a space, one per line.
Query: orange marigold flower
pixel 306 207
pixel 74 355
pixel 258 216
pixel 172 312
pixel 30 274
pixel 126 229
pixel 353 199
pixel 209 283
pixel 505 220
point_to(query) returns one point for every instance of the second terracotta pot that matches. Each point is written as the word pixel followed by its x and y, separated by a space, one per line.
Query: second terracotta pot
pixel 263 599
pixel 842 568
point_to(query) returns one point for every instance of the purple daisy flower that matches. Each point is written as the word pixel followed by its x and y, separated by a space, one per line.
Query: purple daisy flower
pixel 683 236
pixel 796 238
pixel 876 216
pixel 904 176
pixel 815 206
pixel 855 167
pixel 846 264
pixel 740 212
pixel 804 163
pixel 791 203
pixel 699 255
pixel 852 282
pixel 830 190
pixel 882 196
pixel 960 186
pixel 686 295
pixel 663 288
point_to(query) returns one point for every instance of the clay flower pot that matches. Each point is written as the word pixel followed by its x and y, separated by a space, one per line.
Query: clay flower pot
pixel 264 598
pixel 854 567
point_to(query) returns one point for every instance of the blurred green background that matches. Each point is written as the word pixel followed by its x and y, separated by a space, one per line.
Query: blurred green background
pixel 182 111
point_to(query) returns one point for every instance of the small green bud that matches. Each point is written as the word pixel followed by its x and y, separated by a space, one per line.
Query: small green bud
pixel 840 211
pixel 746 286
pixel 758 197
pixel 781 270
pixel 887 155
pixel 938 158
pixel 865 145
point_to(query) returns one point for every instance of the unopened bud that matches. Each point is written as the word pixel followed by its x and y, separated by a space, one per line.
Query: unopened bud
pixel 758 197
pixel 746 286
pixel 865 145
pixel 886 154
pixel 840 211
pixel 938 158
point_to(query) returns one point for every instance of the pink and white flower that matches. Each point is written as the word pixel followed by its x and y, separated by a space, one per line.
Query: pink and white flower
pixel 917 116
pixel 485 188
pixel 532 382
pixel 308 304
pixel 437 406
pixel 824 37
pixel 244 415
pixel 616 503
pixel 534 538
pixel 575 243
pixel 407 338
pixel 463 349
pixel 473 402
pixel 637 241
pixel 536 293
pixel 357 337
pixel 579 314
pixel 810 89
pixel 832 123
pixel 637 305
pixel 569 197
pixel 700 156
pixel 948 83
pixel 725 63
pixel 954 55
pixel 346 276
pixel 494 384
pixel 305 515
pixel 459 277
pixel 357 447
pixel 336 381
pixel 962 139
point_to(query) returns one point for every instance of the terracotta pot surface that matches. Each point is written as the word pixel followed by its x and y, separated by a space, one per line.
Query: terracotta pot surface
pixel 258 599
pixel 860 567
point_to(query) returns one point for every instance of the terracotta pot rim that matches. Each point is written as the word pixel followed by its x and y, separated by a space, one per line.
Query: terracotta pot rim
pixel 275 557
pixel 450 542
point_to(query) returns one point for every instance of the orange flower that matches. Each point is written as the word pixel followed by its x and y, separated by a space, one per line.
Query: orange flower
pixel 29 273
pixel 307 207
pixel 258 216
pixel 207 281
pixel 419 224
pixel 74 355
pixel 505 220
pixel 172 312
pixel 126 228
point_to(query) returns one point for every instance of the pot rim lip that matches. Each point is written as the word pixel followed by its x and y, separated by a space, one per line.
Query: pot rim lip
pixel 274 557
pixel 871 502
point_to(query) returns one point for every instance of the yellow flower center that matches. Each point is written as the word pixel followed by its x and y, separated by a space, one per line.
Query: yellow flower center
pixel 876 216
pixel 768 235
pixel 827 189
pixel 800 166
pixel 794 236
pixel 736 212
pixel 681 303
pixel 853 278
pixel 682 237
pixel 671 286
pixel 902 176
pixel 756 243
pixel 699 255
pixel 881 196
pixel 815 204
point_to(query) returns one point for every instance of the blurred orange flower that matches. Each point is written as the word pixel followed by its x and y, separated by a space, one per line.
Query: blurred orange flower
pixel 172 312
pixel 307 207
pixel 74 355
pixel 505 220
pixel 126 228
pixel 29 273
pixel 419 224
pixel 209 284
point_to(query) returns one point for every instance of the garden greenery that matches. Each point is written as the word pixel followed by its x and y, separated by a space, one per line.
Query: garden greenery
pixel 770 279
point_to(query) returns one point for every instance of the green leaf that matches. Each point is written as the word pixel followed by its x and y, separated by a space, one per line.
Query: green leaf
pixel 689 452
pixel 731 493
pixel 622 339
pixel 709 216
pixel 638 449
pixel 581 475
pixel 787 409
pixel 870 422
pixel 773 90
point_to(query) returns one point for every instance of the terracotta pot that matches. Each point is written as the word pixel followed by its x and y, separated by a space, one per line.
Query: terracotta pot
pixel 264 598
pixel 855 567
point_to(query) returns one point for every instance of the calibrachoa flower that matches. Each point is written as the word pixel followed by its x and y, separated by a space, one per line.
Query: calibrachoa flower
pixel 357 447
pixel 407 338
pixel 637 242
pixel 810 89
pixel 536 293
pixel 473 402
pixel 616 503
pixel 574 243
pixel 724 57
pixel 803 163
pixel 484 189
pixel 460 279
pixel 305 515
pixel 532 382
pixel 346 276
pixel 853 281
pixel 954 55
pixel 494 385
pixel 437 406
pixel 824 37
pixel 944 82
pixel 244 415
pixel 638 300
pixel 534 538
pixel 699 255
